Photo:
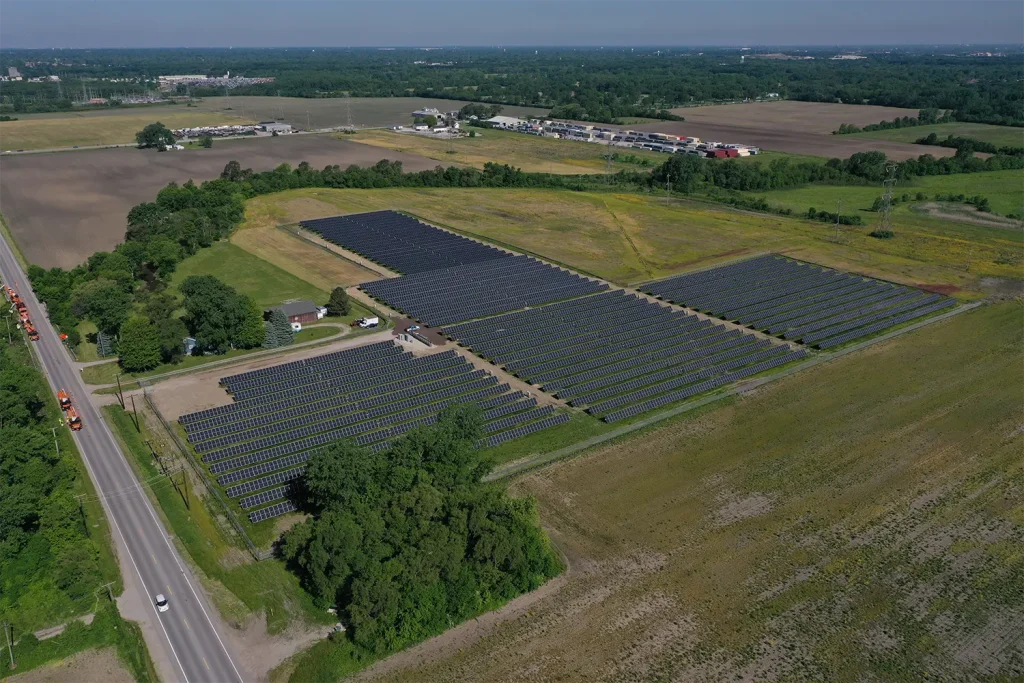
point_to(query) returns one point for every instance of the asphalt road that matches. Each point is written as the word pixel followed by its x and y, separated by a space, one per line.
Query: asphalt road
pixel 188 631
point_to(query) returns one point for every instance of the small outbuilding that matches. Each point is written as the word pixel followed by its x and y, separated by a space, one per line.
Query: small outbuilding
pixel 301 311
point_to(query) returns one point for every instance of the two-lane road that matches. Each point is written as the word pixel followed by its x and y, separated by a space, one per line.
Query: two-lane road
pixel 187 630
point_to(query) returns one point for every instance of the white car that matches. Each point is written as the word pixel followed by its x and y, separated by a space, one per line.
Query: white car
pixel 161 603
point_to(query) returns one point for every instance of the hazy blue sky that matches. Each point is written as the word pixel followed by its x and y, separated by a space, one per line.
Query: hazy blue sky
pixel 216 23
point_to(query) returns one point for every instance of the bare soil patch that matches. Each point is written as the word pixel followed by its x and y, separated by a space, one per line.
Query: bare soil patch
pixel 62 207
pixel 794 127
pixel 88 666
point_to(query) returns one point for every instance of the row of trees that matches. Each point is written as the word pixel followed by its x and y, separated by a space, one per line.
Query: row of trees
pixel 969 145
pixel 925 117
pixel 48 563
pixel 408 542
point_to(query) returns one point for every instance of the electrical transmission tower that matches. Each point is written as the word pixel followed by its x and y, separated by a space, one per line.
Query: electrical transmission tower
pixel 885 213
pixel 348 111
pixel 839 209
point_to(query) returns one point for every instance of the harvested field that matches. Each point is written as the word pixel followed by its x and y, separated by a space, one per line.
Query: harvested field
pixel 63 207
pixel 789 115
pixel 859 521
pixel 796 127
pixel 631 238
pixel 109 127
pixel 367 112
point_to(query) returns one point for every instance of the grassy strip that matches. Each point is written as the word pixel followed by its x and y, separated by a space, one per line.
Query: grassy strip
pixel 108 629
pixel 239 586
pixel 107 373
pixel 5 233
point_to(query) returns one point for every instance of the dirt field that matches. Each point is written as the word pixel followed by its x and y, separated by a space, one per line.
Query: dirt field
pixel 861 521
pixel 795 127
pixel 89 666
pixel 63 207
pixel 367 112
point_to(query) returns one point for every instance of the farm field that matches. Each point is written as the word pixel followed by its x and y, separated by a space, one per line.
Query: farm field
pixel 529 152
pixel 61 208
pixel 996 135
pixel 101 128
pixel 367 112
pixel 794 127
pixel 860 519
pixel 632 238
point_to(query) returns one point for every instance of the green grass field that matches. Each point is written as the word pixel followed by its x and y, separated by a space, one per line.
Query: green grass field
pixel 267 284
pixel 1004 189
pixel 629 238
pixel 111 127
pixel 997 135
pixel 860 520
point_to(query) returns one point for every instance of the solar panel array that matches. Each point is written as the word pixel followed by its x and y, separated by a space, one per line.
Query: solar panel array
pixel 450 295
pixel 401 243
pixel 619 354
pixel 257 446
pixel 799 301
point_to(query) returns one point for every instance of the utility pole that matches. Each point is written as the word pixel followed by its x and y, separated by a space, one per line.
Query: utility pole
pixel 970 254
pixel 136 414
pixel 81 512
pixel 184 483
pixel 308 127
pixel 120 393
pixel 668 185
pixel 885 215
pixel 10 339
pixel 10 650
pixel 56 443
pixel 348 111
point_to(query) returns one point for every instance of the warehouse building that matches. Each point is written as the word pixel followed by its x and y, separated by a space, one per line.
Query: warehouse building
pixel 276 127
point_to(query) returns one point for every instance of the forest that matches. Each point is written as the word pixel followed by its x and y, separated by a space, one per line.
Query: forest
pixel 50 567
pixel 606 84
pixel 409 542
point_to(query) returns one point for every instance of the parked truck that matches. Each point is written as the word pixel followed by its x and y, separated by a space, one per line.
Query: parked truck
pixel 367 322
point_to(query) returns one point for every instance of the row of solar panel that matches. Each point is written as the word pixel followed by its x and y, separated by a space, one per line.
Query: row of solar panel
pixel 270 466
pixel 401 243
pixel 456 294
pixel 255 413
pixel 341 359
pixel 799 301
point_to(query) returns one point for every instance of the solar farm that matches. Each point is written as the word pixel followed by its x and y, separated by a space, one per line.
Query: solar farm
pixel 619 354
pixel 256 446
pixel 799 301
pixel 610 352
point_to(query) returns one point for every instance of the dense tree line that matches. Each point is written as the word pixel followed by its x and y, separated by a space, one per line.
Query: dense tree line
pixel 969 145
pixel 925 117
pixel 408 542
pixel 604 83
pixel 49 565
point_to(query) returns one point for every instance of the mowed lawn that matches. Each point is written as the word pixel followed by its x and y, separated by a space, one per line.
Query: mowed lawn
pixel 528 152
pixel 631 238
pixel 267 284
pixel 114 127
pixel 858 521
pixel 1000 136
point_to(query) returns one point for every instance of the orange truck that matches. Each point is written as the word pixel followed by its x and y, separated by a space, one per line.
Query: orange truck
pixel 23 315
pixel 74 421
pixel 64 399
